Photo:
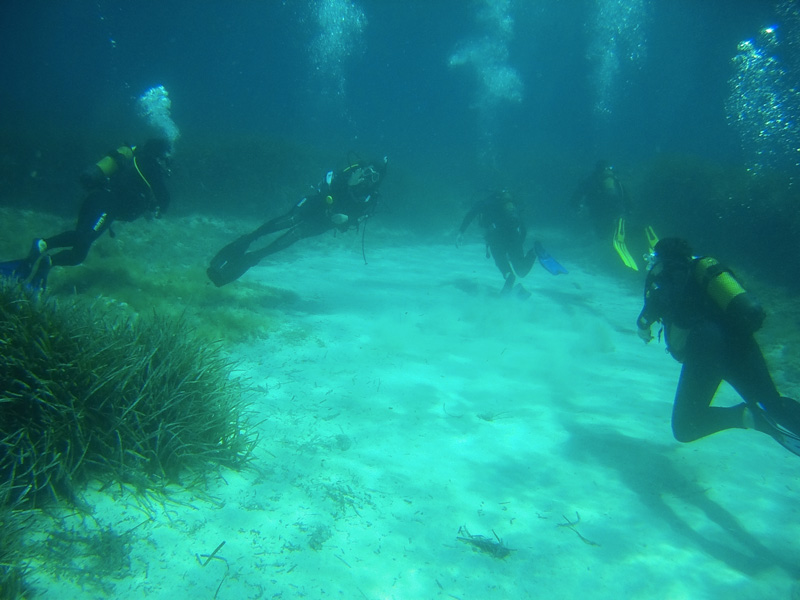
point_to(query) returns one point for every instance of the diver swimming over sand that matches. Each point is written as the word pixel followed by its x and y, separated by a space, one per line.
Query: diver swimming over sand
pixel 342 201
pixel 127 184
pixel 709 321
pixel 608 203
pixel 505 233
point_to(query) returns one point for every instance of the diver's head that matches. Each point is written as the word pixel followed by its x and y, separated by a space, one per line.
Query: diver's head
pixel 671 251
pixel 158 150
pixel 155 148
pixel 603 166
pixel 506 200
pixel 374 171
pixel 379 168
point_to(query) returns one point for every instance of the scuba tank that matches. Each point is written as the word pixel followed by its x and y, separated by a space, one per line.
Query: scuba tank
pixel 738 306
pixel 96 175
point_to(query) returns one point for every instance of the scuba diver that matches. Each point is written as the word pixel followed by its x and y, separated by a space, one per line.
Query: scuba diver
pixel 341 201
pixel 125 185
pixel 505 232
pixel 609 206
pixel 709 320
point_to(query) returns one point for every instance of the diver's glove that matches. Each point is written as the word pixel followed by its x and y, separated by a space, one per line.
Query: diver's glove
pixel 644 334
pixel 356 177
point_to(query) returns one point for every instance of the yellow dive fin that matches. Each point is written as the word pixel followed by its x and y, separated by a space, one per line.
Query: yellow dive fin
pixel 621 248
pixel 652 238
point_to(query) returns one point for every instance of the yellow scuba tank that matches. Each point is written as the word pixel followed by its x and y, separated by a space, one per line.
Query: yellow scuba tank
pixel 96 175
pixel 739 306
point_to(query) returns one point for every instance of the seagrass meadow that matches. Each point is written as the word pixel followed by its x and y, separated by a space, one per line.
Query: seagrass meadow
pixel 90 394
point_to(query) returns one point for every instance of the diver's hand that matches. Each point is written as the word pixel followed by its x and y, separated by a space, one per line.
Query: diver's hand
pixel 459 239
pixel 339 219
pixel 356 177
pixel 644 334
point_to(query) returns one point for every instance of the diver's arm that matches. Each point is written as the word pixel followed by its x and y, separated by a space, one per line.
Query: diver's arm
pixel 650 311
pixel 162 196
pixel 627 206
pixel 580 195
pixel 468 218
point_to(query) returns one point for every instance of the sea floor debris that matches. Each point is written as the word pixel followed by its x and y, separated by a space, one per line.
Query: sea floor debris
pixel 494 547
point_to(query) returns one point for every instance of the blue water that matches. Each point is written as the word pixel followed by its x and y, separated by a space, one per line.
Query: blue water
pixel 248 65
pixel 694 101
pixel 471 95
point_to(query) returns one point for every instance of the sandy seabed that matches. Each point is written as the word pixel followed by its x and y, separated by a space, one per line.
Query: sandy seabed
pixel 410 419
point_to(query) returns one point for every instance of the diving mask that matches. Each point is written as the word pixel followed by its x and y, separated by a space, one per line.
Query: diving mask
pixel 651 258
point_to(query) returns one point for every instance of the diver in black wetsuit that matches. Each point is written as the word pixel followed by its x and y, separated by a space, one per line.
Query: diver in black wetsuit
pixel 343 200
pixel 709 321
pixel 604 197
pixel 127 184
pixel 505 232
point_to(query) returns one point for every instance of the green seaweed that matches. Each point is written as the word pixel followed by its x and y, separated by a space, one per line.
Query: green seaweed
pixel 92 393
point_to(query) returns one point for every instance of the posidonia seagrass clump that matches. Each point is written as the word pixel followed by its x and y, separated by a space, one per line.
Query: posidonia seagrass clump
pixel 12 564
pixel 133 401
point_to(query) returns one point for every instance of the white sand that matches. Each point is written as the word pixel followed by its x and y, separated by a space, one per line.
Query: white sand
pixel 403 400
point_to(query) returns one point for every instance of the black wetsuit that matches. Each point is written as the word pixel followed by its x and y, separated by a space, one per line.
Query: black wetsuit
pixel 319 213
pixel 712 349
pixel 605 198
pixel 504 232
pixel 137 189
pixel 341 201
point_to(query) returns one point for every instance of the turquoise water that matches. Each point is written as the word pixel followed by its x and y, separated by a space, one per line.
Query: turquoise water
pixel 403 403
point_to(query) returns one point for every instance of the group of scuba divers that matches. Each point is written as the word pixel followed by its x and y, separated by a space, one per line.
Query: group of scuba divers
pixel 707 318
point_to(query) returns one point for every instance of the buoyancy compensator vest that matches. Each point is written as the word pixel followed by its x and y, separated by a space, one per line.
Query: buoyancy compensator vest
pixel 738 306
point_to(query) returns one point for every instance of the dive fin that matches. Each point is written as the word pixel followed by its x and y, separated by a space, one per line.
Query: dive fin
pixel 222 272
pixel 547 261
pixel 15 269
pixel 33 277
pixel 231 262
pixel 783 435
pixel 621 248
pixel 652 238
pixel 38 280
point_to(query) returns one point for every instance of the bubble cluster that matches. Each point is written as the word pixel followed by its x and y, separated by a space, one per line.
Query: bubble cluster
pixel 155 106
pixel 764 105
pixel 488 55
pixel 497 81
pixel 618 40
pixel 341 24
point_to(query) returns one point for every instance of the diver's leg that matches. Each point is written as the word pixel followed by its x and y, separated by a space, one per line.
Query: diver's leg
pixel 749 375
pixel 73 256
pixel 232 262
pixel 280 223
pixel 237 249
pixel 498 252
pixel 92 223
pixel 303 229
pixel 522 262
pixel 693 417
pixel 280 243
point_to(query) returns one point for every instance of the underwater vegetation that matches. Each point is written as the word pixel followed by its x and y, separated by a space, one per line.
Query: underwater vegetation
pixel 12 566
pixel 158 267
pixel 90 394
pixel 752 220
